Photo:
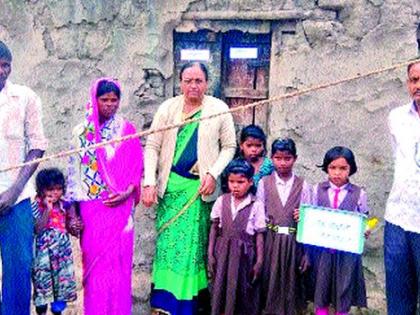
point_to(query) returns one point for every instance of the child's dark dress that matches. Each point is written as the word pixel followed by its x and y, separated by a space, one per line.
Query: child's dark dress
pixel 282 281
pixel 235 253
pixel 338 275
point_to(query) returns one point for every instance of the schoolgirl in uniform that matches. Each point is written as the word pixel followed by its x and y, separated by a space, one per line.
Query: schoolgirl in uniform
pixel 236 244
pixel 284 259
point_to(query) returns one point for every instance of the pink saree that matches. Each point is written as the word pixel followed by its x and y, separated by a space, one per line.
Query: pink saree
pixel 108 235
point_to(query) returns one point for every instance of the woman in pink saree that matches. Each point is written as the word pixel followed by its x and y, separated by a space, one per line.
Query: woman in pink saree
pixel 105 182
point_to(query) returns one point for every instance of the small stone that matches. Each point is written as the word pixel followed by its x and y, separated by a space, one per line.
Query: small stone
pixel 376 3
pixel 333 4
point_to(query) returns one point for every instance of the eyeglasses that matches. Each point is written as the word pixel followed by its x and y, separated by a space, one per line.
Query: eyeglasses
pixel 191 81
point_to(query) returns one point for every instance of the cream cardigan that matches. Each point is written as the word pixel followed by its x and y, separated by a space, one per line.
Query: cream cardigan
pixel 216 143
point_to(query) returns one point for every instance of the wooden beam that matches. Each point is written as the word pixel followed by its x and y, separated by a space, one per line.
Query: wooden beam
pixel 244 15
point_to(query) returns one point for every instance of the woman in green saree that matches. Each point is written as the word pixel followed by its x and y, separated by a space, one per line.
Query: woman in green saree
pixel 188 162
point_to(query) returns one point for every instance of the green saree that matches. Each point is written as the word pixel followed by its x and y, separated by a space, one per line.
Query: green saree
pixel 179 268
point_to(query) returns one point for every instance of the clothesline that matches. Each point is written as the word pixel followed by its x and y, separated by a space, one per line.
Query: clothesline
pixel 242 108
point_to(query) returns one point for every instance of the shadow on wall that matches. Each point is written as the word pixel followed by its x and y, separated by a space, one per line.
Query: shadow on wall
pixel 418 40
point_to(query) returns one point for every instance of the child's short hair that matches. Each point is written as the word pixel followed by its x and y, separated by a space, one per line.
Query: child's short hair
pixel 239 166
pixel 253 131
pixel 336 153
pixel 5 52
pixel 49 177
pixel 287 145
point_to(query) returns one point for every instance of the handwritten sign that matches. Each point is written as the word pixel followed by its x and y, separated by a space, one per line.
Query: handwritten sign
pixel 331 228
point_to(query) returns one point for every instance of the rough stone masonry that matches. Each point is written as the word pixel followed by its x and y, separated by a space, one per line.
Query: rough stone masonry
pixel 61 46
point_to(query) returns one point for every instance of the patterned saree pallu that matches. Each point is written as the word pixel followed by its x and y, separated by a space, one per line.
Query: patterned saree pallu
pixel 331 228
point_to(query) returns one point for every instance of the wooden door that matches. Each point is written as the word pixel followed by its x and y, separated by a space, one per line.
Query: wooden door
pixel 245 73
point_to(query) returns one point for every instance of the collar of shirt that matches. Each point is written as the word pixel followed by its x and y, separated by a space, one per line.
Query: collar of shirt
pixel 413 109
pixel 334 187
pixel 9 89
pixel 241 205
pixel 282 182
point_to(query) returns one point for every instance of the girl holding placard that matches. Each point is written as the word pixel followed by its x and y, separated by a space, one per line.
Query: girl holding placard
pixel 338 275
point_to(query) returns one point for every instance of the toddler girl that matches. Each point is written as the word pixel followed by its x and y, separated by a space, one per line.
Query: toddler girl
pixel 53 272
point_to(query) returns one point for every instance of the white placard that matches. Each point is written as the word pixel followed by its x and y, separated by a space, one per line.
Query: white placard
pixel 331 228
pixel 243 53
pixel 195 54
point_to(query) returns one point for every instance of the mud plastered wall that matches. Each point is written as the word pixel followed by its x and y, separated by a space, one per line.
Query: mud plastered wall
pixel 59 47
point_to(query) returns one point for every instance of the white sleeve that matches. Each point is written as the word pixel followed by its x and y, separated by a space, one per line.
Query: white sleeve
pixel 307 193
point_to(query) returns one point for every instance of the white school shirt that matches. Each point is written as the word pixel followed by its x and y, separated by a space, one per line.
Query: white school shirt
pixel 284 188
pixel 256 221
pixel 362 205
pixel 403 206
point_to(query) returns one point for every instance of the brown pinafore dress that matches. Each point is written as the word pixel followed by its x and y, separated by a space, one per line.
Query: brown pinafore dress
pixel 233 293
pixel 338 275
pixel 282 281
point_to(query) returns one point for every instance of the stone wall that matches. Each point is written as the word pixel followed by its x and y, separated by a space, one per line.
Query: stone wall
pixel 59 47
pixel 358 37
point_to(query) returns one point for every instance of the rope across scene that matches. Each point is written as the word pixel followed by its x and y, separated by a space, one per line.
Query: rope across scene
pixel 67 153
